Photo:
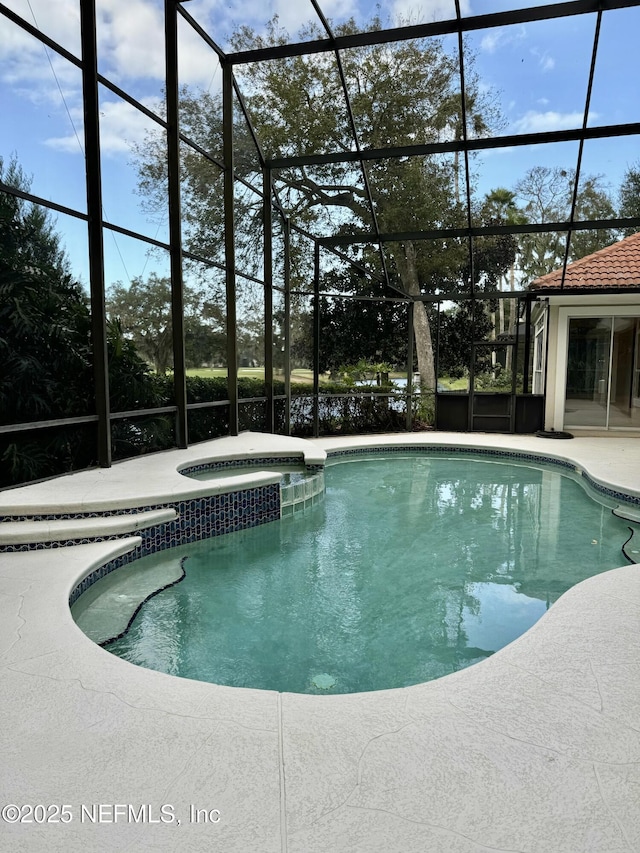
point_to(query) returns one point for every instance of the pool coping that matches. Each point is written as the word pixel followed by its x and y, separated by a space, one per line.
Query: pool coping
pixel 536 748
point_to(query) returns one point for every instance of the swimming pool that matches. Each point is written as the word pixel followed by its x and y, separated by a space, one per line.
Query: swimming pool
pixel 413 567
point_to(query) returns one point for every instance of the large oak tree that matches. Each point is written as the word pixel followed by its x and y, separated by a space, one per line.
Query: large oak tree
pixel 404 93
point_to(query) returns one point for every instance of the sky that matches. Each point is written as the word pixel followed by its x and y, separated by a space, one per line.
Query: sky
pixel 539 72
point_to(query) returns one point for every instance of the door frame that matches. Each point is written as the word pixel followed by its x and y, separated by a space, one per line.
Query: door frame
pixel 566 313
pixel 635 369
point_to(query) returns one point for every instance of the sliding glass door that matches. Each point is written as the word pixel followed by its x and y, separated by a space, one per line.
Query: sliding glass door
pixel 623 412
pixel 603 373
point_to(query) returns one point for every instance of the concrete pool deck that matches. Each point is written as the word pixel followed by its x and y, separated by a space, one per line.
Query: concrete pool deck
pixel 537 748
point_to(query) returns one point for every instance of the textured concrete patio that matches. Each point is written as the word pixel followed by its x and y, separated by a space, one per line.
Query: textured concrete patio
pixel 535 749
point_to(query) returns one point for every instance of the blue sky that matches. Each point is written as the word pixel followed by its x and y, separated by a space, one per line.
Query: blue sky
pixel 539 71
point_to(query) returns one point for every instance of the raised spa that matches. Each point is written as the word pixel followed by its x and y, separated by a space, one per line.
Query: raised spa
pixel 411 568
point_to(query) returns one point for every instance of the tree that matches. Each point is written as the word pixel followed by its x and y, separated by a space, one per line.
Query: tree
pixel 45 356
pixel 547 195
pixel 499 208
pixel 46 359
pixel 401 94
pixel 144 312
pixel 629 195
pixel 593 202
pixel 203 346
pixel 353 330
pixel 459 327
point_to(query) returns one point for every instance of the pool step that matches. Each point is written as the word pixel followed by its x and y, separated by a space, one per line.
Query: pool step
pixel 72 529
pixel 629 513
pixel 106 609
pixel 631 548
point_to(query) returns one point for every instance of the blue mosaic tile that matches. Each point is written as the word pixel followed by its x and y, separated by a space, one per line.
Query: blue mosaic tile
pixel 107 513
pixel 196 520
pixel 634 500
pixel 257 462
pixel 214 512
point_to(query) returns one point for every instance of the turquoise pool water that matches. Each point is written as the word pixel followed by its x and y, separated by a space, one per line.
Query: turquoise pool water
pixel 290 474
pixel 411 568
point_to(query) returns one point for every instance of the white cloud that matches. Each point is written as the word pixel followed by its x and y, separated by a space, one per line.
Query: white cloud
pixel 424 11
pixel 490 41
pixel 131 52
pixel 198 64
pixel 546 62
pixel 131 38
pixel 71 144
pixel 60 20
pixel 25 60
pixel 501 37
pixel 121 127
pixel 221 17
pixel 294 15
pixel 540 122
pixel 43 84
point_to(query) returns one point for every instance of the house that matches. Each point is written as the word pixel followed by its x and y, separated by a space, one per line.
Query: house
pixel 586 353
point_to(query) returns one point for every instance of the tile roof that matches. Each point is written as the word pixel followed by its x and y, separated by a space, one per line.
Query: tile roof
pixel 617 265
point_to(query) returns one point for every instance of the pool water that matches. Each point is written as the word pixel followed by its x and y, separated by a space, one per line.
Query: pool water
pixel 290 474
pixel 413 567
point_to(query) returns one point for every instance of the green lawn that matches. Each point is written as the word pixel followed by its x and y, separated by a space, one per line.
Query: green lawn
pixel 303 375
pixel 297 375
pixel 209 372
pixel 461 384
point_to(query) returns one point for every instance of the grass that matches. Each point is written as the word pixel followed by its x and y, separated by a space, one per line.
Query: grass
pixel 461 384
pixel 303 375
pixel 297 375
